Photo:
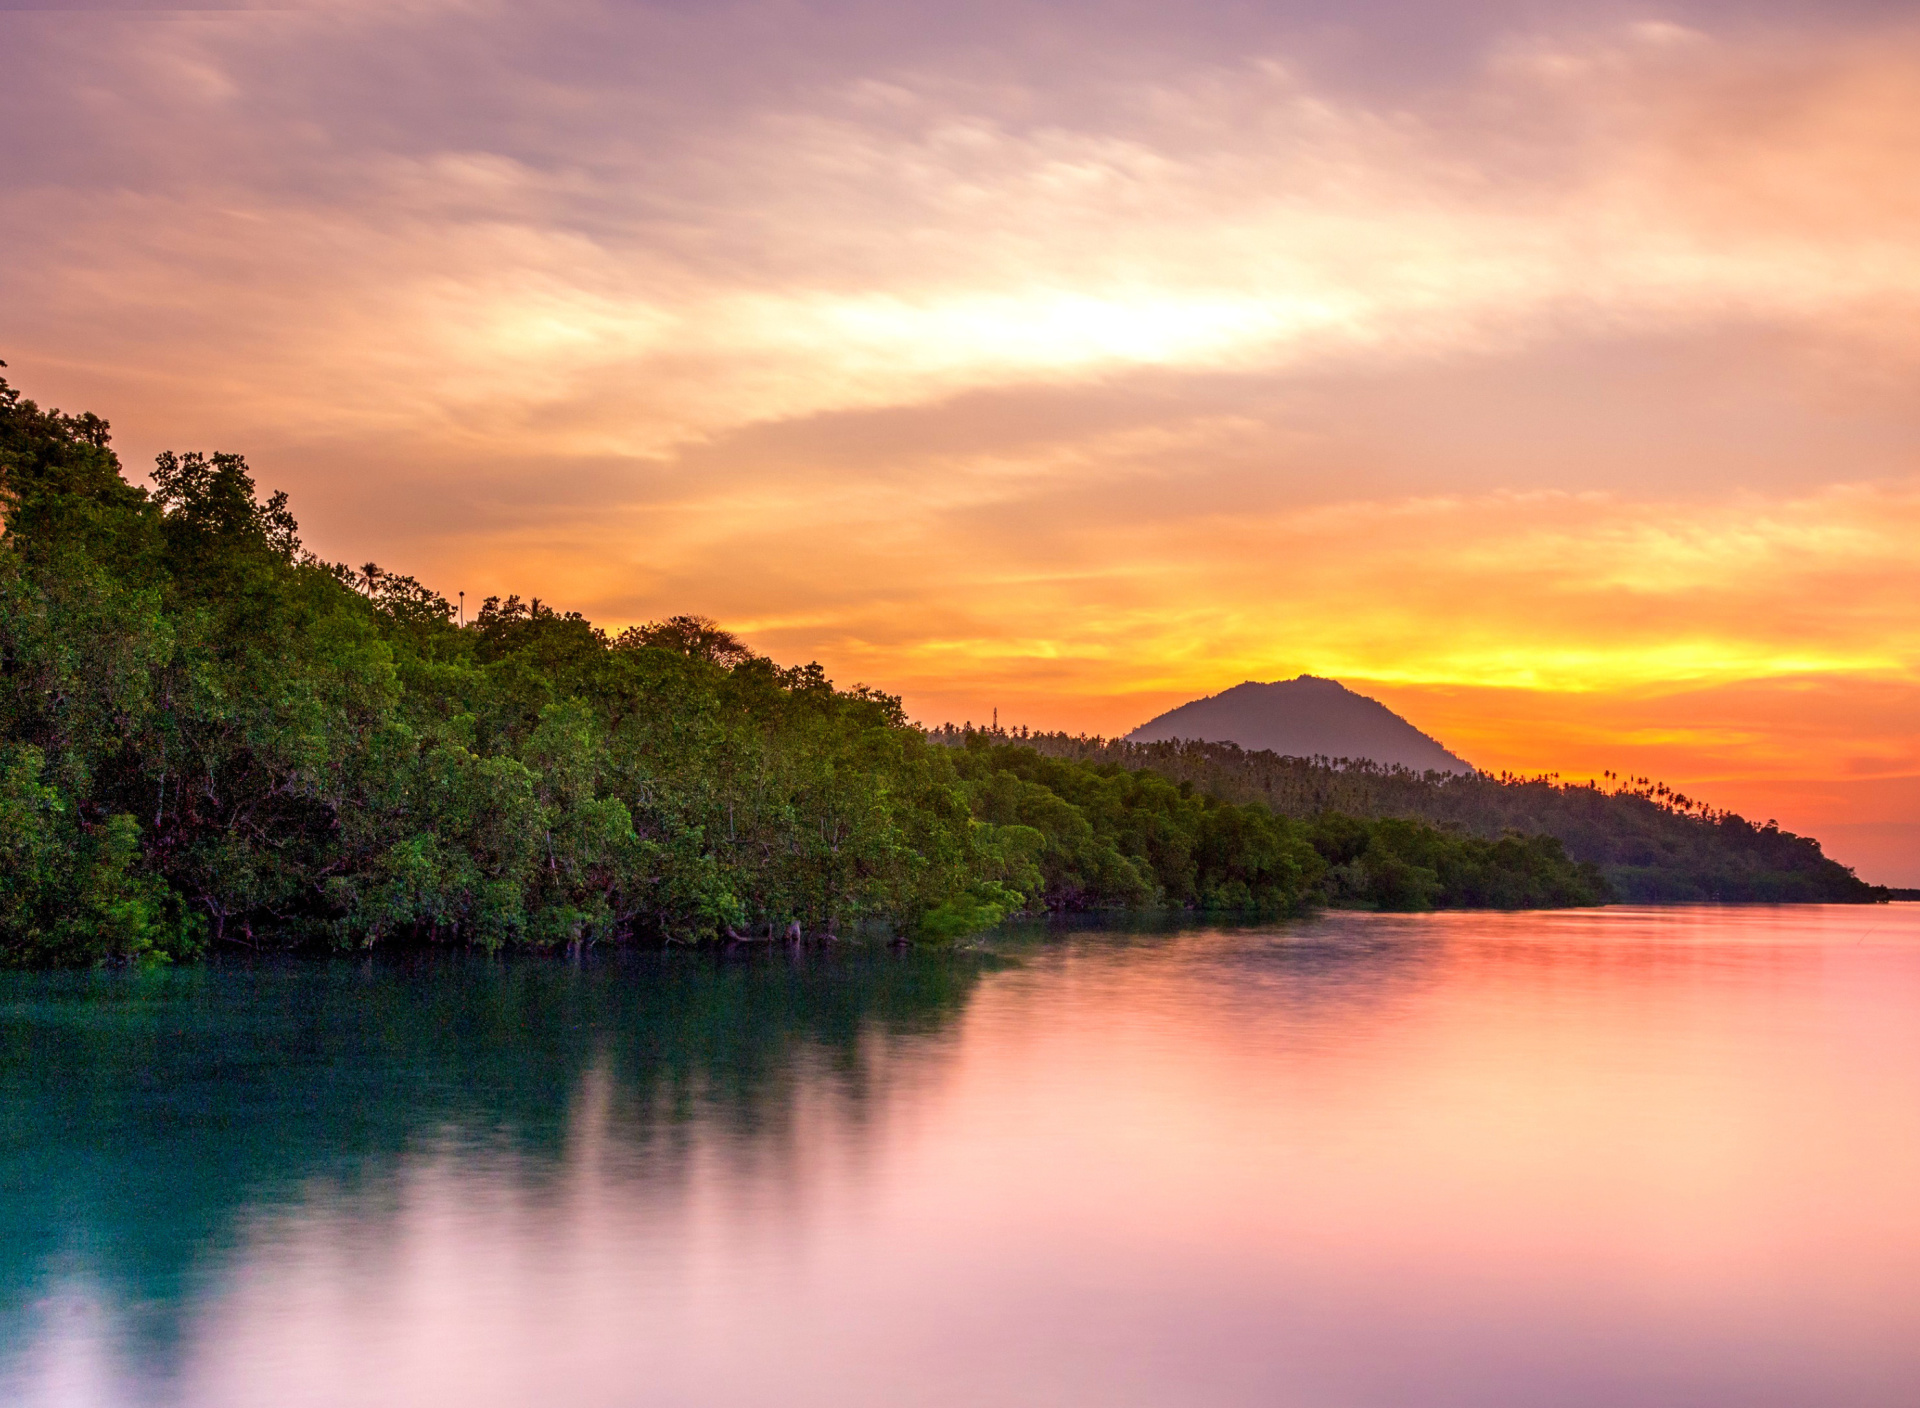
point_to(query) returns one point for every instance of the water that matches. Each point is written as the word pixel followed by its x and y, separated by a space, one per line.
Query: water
pixel 1609 1157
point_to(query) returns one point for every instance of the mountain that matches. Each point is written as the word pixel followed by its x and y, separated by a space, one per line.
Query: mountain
pixel 1306 718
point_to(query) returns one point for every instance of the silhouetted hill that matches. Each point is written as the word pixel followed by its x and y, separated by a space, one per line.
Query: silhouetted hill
pixel 1308 717
pixel 1652 844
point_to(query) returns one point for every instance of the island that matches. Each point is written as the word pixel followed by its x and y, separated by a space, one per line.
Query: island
pixel 212 738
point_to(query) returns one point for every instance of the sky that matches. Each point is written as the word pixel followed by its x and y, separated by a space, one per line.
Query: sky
pixel 1545 371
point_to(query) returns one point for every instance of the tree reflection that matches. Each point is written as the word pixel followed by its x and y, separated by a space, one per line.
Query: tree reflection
pixel 149 1116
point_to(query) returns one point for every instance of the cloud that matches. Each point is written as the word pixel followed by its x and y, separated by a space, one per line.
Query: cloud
pixel 902 239
pixel 1073 376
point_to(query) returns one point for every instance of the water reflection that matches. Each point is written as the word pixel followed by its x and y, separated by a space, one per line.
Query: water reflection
pixel 153 1119
pixel 1445 1160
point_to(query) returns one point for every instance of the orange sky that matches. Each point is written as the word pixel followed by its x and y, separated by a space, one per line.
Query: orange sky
pixel 1551 381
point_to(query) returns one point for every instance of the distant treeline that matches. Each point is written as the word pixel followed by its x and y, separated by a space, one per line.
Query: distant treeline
pixel 210 737
pixel 1652 845
pixel 1073 834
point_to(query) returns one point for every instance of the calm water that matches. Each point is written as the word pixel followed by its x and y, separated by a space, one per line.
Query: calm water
pixel 1614 1157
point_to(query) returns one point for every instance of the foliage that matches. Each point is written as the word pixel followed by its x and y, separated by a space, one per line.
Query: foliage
pixel 1080 835
pixel 208 737
pixel 1651 844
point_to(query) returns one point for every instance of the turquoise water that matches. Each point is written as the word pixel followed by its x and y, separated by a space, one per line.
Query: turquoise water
pixel 1606 1157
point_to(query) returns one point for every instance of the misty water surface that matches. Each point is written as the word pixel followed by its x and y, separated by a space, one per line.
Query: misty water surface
pixel 1605 1157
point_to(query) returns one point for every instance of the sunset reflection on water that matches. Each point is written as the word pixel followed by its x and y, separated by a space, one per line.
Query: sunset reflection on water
pixel 1601 1157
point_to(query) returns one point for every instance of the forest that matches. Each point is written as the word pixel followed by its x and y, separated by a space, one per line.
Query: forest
pixel 210 738
pixel 1650 844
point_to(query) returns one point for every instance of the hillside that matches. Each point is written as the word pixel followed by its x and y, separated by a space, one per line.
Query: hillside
pixel 1653 845
pixel 1308 717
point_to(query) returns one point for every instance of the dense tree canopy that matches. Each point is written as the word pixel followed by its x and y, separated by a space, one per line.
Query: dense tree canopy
pixel 1080 835
pixel 1652 844
pixel 209 736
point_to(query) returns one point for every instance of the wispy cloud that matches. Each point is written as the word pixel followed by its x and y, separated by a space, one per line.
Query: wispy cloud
pixel 899 239
pixel 1075 377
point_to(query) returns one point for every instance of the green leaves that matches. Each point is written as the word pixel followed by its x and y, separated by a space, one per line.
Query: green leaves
pixel 214 738
pixel 209 738
pixel 1074 835
pixel 71 893
pixel 1399 864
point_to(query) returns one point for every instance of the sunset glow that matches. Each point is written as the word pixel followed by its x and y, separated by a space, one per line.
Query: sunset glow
pixel 1552 383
